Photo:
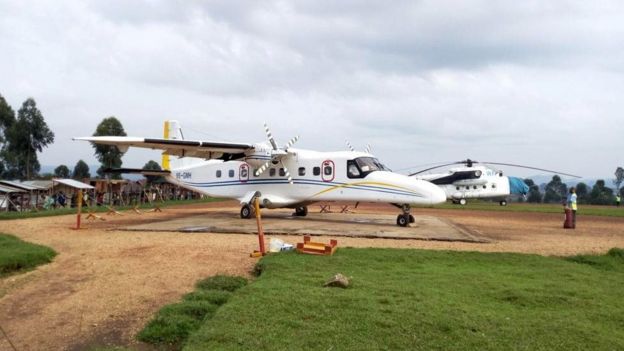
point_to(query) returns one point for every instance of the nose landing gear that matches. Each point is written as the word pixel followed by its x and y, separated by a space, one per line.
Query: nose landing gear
pixel 404 219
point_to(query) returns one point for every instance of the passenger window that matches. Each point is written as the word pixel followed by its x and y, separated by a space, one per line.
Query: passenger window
pixel 219 173
pixel 301 171
pixel 493 186
pixel 485 187
pixel 467 188
pixel 272 172
pixel 282 172
pixel 316 171
pixel 327 170
pixel 474 187
pixel 231 173
pixel 456 188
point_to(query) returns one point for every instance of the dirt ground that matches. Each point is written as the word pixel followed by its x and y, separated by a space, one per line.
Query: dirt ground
pixel 105 284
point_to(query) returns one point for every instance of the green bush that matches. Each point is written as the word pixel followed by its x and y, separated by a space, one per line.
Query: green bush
pixel 222 282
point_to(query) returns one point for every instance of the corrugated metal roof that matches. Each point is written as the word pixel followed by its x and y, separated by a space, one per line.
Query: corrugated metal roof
pixel 9 189
pixel 15 184
pixel 73 183
pixel 43 184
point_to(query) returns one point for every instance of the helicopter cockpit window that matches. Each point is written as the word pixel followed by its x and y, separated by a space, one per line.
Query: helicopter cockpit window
pixel 362 166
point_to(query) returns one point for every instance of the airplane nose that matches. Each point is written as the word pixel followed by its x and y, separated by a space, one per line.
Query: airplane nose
pixel 438 196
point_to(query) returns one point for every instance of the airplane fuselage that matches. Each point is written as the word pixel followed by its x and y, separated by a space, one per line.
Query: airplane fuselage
pixel 317 176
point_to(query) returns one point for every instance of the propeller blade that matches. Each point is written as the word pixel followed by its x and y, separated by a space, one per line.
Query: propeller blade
pixel 368 149
pixel 291 142
pixel 535 168
pixel 290 180
pixel 270 136
pixel 263 168
pixel 349 145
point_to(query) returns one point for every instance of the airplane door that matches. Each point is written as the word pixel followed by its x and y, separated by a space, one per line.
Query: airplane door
pixel 243 172
pixel 328 171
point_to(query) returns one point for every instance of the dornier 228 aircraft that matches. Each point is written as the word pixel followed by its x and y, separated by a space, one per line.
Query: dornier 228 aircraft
pixel 263 170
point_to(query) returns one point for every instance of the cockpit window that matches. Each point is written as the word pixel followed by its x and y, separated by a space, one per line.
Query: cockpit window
pixel 362 166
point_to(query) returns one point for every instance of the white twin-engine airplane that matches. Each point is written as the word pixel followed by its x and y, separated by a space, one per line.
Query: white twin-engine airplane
pixel 263 170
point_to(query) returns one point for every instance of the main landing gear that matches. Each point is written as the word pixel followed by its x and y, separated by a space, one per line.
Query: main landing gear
pixel 301 211
pixel 404 219
pixel 246 211
pixel 503 202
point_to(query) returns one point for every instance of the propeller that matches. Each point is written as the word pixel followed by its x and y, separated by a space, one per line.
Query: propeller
pixel 367 149
pixel 277 154
pixel 469 163
pixel 349 145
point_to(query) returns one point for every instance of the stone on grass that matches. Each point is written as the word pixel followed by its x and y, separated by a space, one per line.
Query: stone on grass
pixel 338 280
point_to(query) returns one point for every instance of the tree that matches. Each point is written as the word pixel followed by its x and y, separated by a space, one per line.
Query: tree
pixel 619 178
pixel 61 172
pixel 108 155
pixel 7 119
pixel 81 170
pixel 27 136
pixel 601 195
pixel 152 166
pixel 534 194
pixel 555 190
pixel 582 193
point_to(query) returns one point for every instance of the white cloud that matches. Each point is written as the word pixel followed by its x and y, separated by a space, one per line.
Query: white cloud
pixel 525 82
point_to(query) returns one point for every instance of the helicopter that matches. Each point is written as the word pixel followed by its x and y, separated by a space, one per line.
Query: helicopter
pixel 476 180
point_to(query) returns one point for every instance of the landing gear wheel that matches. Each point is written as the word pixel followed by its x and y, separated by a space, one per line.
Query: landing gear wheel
pixel 503 203
pixel 246 211
pixel 301 211
pixel 462 202
pixel 403 220
pixel 412 219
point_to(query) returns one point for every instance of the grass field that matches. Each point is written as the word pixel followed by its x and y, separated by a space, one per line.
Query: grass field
pixel 66 211
pixel 17 255
pixel 174 323
pixel 590 210
pixel 424 300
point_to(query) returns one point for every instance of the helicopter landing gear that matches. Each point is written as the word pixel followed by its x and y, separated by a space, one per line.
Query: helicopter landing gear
pixel 246 211
pixel 404 219
pixel 503 202
pixel 301 211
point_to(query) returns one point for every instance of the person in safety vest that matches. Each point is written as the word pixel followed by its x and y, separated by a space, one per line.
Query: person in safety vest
pixel 572 205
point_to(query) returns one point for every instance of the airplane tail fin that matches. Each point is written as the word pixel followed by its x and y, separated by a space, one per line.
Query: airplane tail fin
pixel 173 131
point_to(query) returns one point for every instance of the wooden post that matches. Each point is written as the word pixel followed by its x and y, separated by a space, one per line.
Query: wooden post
pixel 79 208
pixel 259 222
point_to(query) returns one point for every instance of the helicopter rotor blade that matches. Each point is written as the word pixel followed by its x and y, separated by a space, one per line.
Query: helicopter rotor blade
pixel 440 166
pixel 535 168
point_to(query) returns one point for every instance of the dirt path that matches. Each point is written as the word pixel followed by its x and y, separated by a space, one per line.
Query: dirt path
pixel 104 285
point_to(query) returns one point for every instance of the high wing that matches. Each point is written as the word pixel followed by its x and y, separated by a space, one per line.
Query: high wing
pixel 183 148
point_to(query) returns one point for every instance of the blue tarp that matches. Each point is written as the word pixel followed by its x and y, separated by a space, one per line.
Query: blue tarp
pixel 517 186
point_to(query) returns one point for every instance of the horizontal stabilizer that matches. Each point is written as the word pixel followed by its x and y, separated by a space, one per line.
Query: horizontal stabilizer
pixel 149 172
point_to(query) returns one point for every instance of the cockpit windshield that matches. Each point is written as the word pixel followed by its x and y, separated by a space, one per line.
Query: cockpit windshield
pixel 362 166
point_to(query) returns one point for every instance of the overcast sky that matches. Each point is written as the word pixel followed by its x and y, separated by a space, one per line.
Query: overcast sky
pixel 531 82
